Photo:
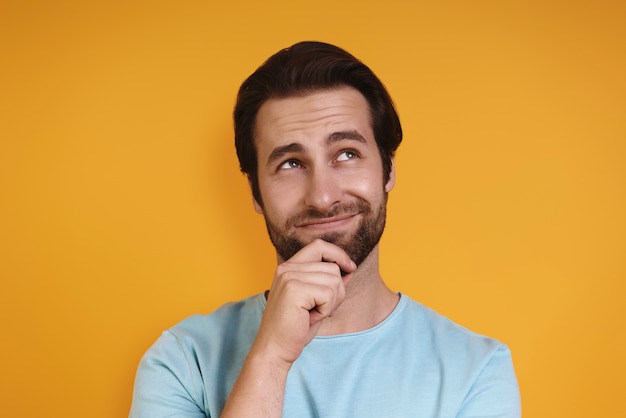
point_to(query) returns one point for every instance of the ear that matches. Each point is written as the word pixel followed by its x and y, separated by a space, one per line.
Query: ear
pixel 257 206
pixel 392 176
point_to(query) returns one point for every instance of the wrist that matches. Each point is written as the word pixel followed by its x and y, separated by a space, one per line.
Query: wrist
pixel 262 356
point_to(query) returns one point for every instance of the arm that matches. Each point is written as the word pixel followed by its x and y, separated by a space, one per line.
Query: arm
pixel 306 289
pixel 495 393
pixel 165 385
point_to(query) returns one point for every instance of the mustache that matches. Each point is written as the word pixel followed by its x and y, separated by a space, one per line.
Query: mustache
pixel 360 206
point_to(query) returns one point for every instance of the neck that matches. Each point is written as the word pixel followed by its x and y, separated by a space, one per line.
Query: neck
pixel 367 303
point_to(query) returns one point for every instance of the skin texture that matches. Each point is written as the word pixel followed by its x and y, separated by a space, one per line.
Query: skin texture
pixel 324 197
pixel 318 173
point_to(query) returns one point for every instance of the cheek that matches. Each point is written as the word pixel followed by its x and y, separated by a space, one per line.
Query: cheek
pixel 367 184
pixel 279 201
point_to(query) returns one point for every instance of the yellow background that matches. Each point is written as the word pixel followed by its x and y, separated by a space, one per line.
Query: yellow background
pixel 123 210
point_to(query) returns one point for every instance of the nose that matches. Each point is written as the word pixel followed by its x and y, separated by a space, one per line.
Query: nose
pixel 323 189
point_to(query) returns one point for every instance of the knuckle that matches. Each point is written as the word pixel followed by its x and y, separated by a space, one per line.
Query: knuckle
pixel 329 293
pixel 283 266
pixel 284 269
pixel 291 286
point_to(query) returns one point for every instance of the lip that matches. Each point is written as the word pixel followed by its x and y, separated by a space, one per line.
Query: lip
pixel 327 223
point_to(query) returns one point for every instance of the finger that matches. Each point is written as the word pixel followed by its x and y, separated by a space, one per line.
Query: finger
pixel 289 268
pixel 326 301
pixel 320 250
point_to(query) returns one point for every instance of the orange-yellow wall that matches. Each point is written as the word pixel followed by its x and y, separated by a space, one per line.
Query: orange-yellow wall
pixel 123 210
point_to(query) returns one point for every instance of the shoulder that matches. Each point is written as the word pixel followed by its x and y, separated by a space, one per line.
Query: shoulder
pixel 231 320
pixel 446 337
pixel 473 365
pixel 190 340
pixel 184 367
pixel 242 315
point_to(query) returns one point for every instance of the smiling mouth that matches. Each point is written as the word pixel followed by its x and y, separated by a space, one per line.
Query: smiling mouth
pixel 327 223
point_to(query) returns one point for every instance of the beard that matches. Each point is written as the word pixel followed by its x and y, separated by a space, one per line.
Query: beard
pixel 358 244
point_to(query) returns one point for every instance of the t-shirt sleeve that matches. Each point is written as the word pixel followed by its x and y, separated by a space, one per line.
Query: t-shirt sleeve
pixel 167 384
pixel 495 393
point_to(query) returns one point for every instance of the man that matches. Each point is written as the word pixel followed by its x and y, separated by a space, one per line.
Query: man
pixel 316 133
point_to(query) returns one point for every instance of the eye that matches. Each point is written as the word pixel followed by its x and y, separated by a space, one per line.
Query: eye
pixel 290 164
pixel 347 155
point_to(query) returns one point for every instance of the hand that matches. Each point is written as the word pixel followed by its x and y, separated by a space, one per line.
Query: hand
pixel 306 289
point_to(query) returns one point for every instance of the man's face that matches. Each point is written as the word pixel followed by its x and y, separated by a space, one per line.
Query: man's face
pixel 320 172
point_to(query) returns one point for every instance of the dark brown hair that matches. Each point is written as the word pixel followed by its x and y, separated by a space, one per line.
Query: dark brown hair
pixel 304 68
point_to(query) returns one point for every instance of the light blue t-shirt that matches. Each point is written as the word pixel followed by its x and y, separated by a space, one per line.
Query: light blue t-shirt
pixel 416 363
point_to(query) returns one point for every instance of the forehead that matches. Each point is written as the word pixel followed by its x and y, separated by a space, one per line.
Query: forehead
pixel 315 114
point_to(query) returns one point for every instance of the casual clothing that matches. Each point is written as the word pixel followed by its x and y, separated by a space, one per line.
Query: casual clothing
pixel 416 363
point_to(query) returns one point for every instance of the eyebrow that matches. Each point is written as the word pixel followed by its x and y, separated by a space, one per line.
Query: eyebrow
pixel 341 135
pixel 279 152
